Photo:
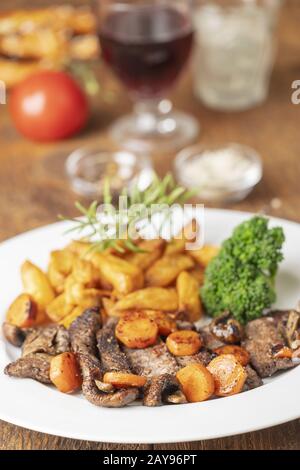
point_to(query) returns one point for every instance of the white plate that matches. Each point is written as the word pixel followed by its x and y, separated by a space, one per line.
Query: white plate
pixel 42 408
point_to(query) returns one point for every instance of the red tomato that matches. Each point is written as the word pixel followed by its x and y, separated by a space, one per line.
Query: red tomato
pixel 48 106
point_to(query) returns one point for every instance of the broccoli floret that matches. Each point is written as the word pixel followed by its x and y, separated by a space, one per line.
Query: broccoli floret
pixel 241 277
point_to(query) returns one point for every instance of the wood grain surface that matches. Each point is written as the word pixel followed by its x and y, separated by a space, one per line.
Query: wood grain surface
pixel 34 189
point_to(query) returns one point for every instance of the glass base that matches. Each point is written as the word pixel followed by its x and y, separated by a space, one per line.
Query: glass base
pixel 145 133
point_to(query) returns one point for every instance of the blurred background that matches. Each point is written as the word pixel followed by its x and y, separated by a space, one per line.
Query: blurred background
pixel 235 86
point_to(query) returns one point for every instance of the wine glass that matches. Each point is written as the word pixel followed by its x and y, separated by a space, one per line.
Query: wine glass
pixel 147 43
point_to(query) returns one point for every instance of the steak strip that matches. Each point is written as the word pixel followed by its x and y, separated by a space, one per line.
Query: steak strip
pixel 113 359
pixel 261 336
pixel 160 367
pixel 83 341
pixel 39 346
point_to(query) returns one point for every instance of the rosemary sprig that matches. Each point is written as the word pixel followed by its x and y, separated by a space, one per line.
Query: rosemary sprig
pixel 106 228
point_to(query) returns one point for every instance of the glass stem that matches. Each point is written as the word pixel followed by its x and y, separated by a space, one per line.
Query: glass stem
pixel 154 117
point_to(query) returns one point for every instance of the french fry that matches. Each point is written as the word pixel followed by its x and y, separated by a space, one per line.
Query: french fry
pixel 186 235
pixel 150 298
pixel 188 296
pixel 165 270
pixel 204 255
pixel 58 308
pixel 136 330
pixel 124 380
pixel 197 382
pixel 37 284
pixel 184 343
pixel 23 312
pixel 228 373
pixel 238 352
pixel 122 275
pixel 152 251
pixel 65 373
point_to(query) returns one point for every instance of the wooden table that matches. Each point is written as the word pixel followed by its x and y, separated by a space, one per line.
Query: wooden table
pixel 33 190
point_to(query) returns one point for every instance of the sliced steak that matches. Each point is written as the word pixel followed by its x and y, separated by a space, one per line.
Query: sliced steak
pixel 111 356
pixel 156 363
pixel 162 388
pixel 83 333
pixel 261 337
pixel 152 361
pixel 51 340
pixel 39 346
pixel 204 356
pixel 253 379
pixel 35 367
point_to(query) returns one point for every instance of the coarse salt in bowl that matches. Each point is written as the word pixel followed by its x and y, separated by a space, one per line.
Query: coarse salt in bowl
pixel 219 173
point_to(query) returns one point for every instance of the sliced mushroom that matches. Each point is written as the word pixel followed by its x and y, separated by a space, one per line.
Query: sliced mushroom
pixel 226 329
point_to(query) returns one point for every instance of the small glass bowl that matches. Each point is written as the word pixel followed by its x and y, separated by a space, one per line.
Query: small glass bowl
pixel 88 168
pixel 218 186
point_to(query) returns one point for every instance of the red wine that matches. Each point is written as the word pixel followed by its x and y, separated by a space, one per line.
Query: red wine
pixel 146 47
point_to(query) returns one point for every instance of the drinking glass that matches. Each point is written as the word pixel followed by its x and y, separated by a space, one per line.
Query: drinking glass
pixel 147 44
pixel 234 51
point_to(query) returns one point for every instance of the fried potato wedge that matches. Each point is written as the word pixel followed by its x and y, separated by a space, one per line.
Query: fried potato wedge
pixel 228 373
pixel 150 298
pixel 109 307
pixel 60 266
pixel 204 255
pixel 73 290
pixel 58 308
pixel 85 272
pixel 65 372
pixel 90 298
pixel 238 352
pixel 23 312
pixel 136 330
pixel 186 235
pixel 57 279
pixel 184 343
pixel 122 275
pixel 198 273
pixel 68 320
pixel 197 382
pixel 124 380
pixel 188 296
pixel 37 284
pixel 152 250
pixel 62 261
pixel 166 324
pixel 80 247
pixel 165 270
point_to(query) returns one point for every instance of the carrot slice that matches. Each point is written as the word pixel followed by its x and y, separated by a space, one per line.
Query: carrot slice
pixel 123 380
pixel 184 343
pixel 228 373
pixel 65 373
pixel 136 330
pixel 196 381
pixel 165 323
pixel 239 353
